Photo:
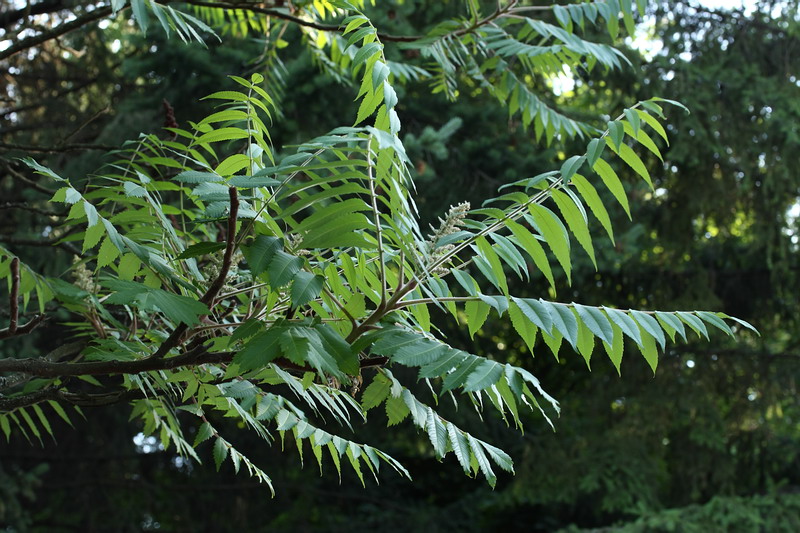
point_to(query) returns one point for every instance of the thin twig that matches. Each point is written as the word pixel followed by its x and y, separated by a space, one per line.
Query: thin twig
pixel 340 306
pixel 18 175
pixel 22 330
pixel 14 297
pixel 210 295
pixel 377 215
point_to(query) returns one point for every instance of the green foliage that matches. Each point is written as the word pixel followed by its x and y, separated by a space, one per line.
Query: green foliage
pixel 773 512
pixel 220 278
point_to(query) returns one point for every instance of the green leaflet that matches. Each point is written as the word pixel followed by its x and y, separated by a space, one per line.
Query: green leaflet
pixel 554 234
pixel 376 393
pixel 693 322
pixel 576 222
pixel 650 324
pixel 460 446
pixel 260 252
pixel 627 154
pixel 220 451
pixel 282 268
pixel 671 324
pixel 649 350
pixel 571 166
pixel 528 242
pixel 715 321
pixel 459 376
pixel 564 321
pixel 525 328
pixel 343 231
pixel 437 432
pixel 306 287
pixel 476 313
pixel 484 376
pixel 420 353
pixel 596 321
pixel 536 312
pixel 489 264
pixel 592 199
pixel 396 410
pixel 175 307
pixel 327 214
pixel 653 123
pixel 615 348
pixel 613 183
pixel 585 343
pixel 259 351
pixel 446 362
pixel 626 324
pixel 483 462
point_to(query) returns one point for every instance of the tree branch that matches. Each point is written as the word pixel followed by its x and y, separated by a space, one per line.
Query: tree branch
pixel 42 8
pixel 26 207
pixel 279 14
pixel 18 175
pixel 10 239
pixel 385 37
pixel 208 298
pixel 74 398
pixel 22 330
pixel 58 31
pixel 13 298
pixel 42 368
pixel 57 149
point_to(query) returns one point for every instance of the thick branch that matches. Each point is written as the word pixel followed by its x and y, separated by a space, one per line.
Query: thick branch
pixel 26 207
pixel 10 239
pixel 385 37
pixel 46 6
pixel 230 246
pixel 57 149
pixel 58 31
pixel 279 14
pixel 47 369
